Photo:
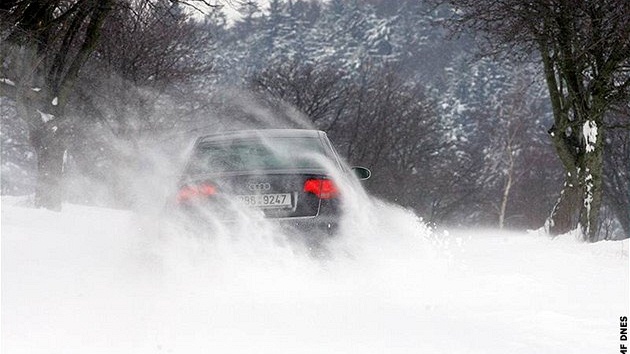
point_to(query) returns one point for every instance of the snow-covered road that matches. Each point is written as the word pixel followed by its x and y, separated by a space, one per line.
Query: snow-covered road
pixel 95 280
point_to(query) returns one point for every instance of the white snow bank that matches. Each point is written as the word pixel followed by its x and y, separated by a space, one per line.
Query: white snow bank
pixel 93 280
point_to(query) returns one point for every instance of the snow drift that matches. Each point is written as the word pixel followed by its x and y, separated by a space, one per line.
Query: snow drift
pixel 96 280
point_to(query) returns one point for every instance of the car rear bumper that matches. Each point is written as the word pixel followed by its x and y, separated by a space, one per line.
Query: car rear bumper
pixel 304 225
pixel 317 225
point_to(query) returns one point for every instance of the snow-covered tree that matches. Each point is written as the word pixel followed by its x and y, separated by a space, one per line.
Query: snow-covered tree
pixel 584 48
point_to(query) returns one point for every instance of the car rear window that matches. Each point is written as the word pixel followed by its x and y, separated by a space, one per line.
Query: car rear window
pixel 256 154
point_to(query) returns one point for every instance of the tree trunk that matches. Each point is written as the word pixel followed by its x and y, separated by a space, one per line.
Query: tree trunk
pixel 564 215
pixel 50 48
pixel 591 176
pixel 46 138
pixel 579 145
pixel 581 198
pixel 50 151
pixel 506 189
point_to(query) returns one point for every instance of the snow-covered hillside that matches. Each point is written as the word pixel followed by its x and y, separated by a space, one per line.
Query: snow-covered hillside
pixel 94 280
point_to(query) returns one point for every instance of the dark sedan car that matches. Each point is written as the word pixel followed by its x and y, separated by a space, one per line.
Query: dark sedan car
pixel 287 174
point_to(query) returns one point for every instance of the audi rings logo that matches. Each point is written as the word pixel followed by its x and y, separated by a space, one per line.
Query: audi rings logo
pixel 258 187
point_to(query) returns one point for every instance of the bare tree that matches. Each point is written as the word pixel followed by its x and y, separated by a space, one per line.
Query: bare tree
pixel 44 46
pixel 317 92
pixel 141 83
pixel 584 47
pixel 510 137
pixel 377 119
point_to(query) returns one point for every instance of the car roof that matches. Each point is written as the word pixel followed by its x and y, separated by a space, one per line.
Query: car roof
pixel 262 133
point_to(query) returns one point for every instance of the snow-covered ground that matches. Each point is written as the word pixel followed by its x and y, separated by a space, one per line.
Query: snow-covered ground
pixel 95 280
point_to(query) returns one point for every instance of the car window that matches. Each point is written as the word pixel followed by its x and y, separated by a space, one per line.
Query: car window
pixel 257 154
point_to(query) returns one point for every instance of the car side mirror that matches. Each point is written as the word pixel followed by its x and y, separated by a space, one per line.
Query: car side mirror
pixel 362 173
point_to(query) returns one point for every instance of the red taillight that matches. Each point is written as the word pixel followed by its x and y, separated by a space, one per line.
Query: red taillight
pixel 322 188
pixel 190 192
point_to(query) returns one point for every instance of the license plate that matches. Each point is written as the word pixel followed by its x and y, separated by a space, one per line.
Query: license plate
pixel 280 200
